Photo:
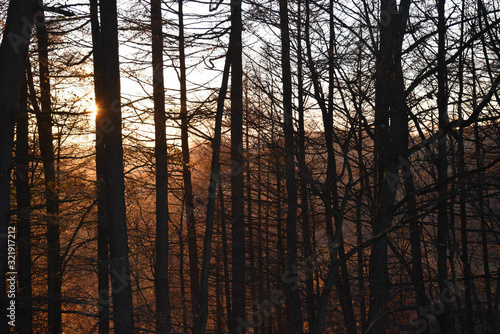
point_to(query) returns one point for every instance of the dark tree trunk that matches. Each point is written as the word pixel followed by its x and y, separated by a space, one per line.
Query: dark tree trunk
pixel 462 169
pixel 113 175
pixel 102 223
pixel 24 302
pixel 237 177
pixel 446 320
pixel 13 52
pixel 225 249
pixel 194 273
pixel 292 301
pixel 304 203
pixel 391 144
pixel 359 230
pixel 252 277
pixel 214 177
pixel 163 320
pixel 44 122
pixel 415 239
pixel 181 275
pixel 343 285
pixel 491 314
pixel 280 235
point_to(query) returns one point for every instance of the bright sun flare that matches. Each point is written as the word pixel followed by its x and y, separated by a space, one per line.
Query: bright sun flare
pixel 92 109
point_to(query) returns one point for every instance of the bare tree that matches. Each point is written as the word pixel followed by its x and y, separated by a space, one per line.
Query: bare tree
pixel 13 52
pixel 291 285
pixel 46 139
pixel 163 319
pixel 237 177
pixel 102 222
pixel 24 300
pixel 123 317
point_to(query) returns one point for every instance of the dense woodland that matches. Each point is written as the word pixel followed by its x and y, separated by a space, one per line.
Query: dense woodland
pixel 228 166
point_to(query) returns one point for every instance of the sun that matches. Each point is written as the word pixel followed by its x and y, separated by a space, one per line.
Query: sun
pixel 92 109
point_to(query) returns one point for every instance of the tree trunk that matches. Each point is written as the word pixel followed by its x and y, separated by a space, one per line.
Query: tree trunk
pixel 252 277
pixel 491 314
pixel 44 122
pixel 391 144
pixel 214 177
pixel 24 324
pixel 113 175
pixel 102 222
pixel 359 231
pixel 462 169
pixel 415 239
pixel 445 319
pixel 482 199
pixel 181 275
pixel 194 273
pixel 304 203
pixel 13 52
pixel 279 233
pixel 225 255
pixel 163 320
pixel 343 285
pixel 237 177
pixel 291 279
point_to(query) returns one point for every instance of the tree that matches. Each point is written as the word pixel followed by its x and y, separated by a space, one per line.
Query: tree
pixel 23 214
pixel 123 317
pixel 186 175
pixel 237 177
pixel 445 320
pixel 13 52
pixel 46 139
pixel 163 320
pixel 291 287
pixel 390 144
pixel 102 222
pixel 212 189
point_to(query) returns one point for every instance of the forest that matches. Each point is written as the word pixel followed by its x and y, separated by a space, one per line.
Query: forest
pixel 255 166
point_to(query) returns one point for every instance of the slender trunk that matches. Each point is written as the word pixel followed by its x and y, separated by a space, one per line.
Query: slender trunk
pixel 102 223
pixel 482 200
pixel 267 219
pixel 415 239
pixel 445 319
pixel 181 274
pixel 214 177
pixel 218 295
pixel 491 314
pixel 468 311
pixel 44 122
pixel 251 229
pixel 186 175
pixel 359 233
pixel 304 203
pixel 462 168
pixel 163 319
pixel 279 233
pixel 260 240
pixel 13 52
pixel 24 324
pixel 237 177
pixel 225 255
pixel 291 279
pixel 113 175
pixel 343 285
